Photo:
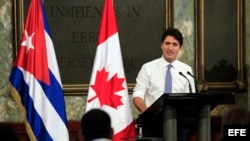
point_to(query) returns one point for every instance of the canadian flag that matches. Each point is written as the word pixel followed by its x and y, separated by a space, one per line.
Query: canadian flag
pixel 108 87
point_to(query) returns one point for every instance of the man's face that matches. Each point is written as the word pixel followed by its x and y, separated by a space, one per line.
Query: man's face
pixel 170 48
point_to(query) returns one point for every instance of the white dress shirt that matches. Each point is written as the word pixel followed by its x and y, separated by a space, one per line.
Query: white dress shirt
pixel 150 82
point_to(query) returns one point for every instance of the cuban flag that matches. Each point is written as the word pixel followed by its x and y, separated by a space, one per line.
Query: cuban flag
pixel 35 82
pixel 108 88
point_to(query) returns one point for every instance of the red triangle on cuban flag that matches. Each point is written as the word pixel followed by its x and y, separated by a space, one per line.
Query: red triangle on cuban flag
pixel 32 55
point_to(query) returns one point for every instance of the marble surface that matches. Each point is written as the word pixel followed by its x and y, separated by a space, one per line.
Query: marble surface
pixel 8 108
pixel 184 20
pixel 75 105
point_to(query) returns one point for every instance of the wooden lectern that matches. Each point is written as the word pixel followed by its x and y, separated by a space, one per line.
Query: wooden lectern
pixel 188 110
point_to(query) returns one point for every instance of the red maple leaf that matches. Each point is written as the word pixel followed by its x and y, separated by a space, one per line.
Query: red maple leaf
pixel 105 89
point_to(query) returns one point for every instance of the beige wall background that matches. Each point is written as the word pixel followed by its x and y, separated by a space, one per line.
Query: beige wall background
pixel 75 105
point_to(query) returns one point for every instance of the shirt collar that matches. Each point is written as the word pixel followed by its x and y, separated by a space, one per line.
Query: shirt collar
pixel 165 62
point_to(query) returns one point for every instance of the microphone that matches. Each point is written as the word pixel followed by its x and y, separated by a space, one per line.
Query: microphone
pixel 189 73
pixel 189 84
pixel 196 86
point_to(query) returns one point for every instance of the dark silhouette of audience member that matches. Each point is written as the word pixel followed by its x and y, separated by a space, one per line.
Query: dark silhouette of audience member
pixel 96 124
pixel 7 133
pixel 235 116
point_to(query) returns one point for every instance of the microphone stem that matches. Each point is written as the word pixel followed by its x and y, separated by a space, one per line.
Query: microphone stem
pixel 196 86
pixel 190 88
pixel 195 82
pixel 189 84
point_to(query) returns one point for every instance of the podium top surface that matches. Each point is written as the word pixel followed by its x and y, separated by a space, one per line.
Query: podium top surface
pixel 189 99
pixel 198 98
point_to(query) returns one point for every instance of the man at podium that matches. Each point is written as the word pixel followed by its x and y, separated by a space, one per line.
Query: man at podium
pixel 164 75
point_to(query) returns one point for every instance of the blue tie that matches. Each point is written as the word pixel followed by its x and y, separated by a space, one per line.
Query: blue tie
pixel 168 83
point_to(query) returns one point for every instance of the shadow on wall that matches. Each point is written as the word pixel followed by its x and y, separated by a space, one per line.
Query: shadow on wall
pixel 221 72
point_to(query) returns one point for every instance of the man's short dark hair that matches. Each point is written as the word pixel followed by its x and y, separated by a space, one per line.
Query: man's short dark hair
pixel 96 123
pixel 173 32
